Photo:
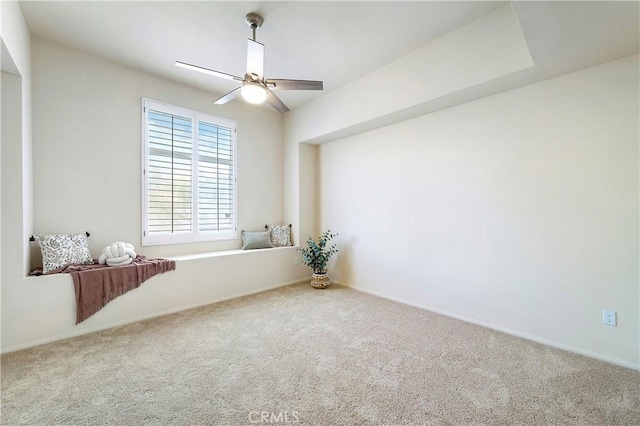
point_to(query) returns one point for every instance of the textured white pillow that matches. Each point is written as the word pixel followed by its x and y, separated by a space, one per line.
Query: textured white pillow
pixel 280 235
pixel 62 250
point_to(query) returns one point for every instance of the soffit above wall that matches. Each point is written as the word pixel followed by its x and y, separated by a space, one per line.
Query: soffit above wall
pixel 579 34
pixel 557 37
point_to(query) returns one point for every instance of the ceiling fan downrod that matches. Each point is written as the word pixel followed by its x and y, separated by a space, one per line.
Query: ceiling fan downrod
pixel 254 21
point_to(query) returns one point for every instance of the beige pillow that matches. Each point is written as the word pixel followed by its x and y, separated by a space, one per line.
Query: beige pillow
pixel 280 235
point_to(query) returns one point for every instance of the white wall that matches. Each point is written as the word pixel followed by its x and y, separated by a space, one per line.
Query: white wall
pixel 87 150
pixel 11 196
pixel 17 201
pixel 87 156
pixel 518 211
pixel 480 52
pixel 308 191
pixel 43 309
pixel 16 220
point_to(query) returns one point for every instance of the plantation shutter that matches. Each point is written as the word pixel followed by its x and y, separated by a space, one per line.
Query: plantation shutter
pixel 169 193
pixel 189 186
pixel 215 177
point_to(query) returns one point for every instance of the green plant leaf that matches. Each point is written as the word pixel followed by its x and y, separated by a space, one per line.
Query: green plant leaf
pixel 318 253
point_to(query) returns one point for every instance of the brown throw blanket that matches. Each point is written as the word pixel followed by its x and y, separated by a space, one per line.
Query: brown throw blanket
pixel 96 285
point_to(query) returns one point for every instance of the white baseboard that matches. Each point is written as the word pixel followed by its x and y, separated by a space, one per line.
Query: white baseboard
pixel 552 343
pixel 114 324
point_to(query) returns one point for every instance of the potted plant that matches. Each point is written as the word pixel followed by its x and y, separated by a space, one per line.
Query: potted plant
pixel 316 255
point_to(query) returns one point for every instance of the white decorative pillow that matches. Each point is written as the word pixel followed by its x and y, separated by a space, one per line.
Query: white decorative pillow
pixel 62 250
pixel 281 235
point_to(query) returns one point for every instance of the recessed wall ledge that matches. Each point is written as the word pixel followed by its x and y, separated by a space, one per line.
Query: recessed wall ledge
pixel 188 257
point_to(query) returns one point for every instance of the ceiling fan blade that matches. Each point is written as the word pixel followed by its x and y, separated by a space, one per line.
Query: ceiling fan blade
pixel 255 59
pixel 228 97
pixel 208 71
pixel 275 102
pixel 282 84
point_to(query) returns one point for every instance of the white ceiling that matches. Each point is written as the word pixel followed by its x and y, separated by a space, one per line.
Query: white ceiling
pixel 336 42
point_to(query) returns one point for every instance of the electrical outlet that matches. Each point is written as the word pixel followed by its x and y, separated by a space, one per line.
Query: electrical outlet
pixel 296 260
pixel 609 317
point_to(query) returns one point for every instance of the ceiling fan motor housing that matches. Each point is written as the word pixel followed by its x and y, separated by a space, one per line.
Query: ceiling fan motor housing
pixel 254 20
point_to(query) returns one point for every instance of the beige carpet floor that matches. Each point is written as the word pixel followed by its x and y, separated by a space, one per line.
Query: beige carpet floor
pixel 296 355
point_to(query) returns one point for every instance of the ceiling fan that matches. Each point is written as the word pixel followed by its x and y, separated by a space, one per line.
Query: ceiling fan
pixel 255 88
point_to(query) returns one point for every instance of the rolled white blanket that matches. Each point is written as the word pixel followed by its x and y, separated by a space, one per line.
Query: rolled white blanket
pixel 117 254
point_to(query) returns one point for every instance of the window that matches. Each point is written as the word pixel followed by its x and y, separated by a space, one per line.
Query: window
pixel 189 186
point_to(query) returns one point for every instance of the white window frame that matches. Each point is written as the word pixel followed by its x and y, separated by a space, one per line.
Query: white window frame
pixel 156 238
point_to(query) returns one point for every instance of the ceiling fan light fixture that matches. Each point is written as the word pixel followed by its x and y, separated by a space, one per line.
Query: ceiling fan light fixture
pixel 253 93
pixel 255 88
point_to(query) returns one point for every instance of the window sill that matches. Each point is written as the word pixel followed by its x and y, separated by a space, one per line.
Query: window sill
pixel 224 253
